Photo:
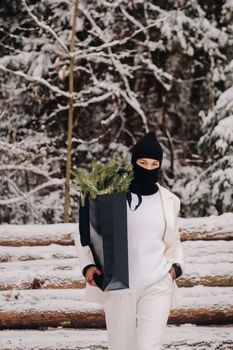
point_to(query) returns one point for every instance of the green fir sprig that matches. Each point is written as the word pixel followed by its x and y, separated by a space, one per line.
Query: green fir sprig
pixel 104 178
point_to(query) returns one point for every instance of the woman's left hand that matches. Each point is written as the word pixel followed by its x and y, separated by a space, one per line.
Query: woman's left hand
pixel 173 273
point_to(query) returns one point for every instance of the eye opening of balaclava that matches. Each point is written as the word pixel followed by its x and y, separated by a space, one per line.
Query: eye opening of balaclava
pixel 144 182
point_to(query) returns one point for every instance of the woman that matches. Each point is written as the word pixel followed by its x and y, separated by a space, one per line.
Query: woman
pixel 136 317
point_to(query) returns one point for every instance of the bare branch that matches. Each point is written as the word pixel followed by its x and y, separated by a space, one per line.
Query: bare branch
pixel 86 103
pixel 131 135
pixel 39 80
pixel 36 80
pixel 13 184
pixel 7 47
pixel 45 27
pixel 24 197
pixel 163 77
pixel 133 20
pixel 130 96
pixel 118 42
pixel 133 102
pixel 94 99
pixel 24 168
pixel 2 113
pixel 110 119
pixel 95 140
pixel 159 74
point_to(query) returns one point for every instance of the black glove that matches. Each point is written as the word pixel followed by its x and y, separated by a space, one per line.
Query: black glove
pixel 98 279
pixel 178 269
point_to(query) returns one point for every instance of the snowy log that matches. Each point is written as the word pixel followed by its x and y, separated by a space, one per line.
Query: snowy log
pixel 183 337
pixel 36 274
pixel 196 252
pixel 58 314
pixel 201 306
pixel 52 251
pixel 66 273
pixel 206 228
pixel 38 295
pixel 202 316
pixel 37 235
pixel 40 282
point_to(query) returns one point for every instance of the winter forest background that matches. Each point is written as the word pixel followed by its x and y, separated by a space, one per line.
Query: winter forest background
pixel 139 65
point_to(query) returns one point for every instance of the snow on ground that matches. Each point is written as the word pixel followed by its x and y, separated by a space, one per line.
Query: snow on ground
pixel 55 232
pixel 54 271
pixel 195 252
pixel 57 263
pixel 50 305
pixel 213 224
pixel 52 231
pixel 52 251
pixel 40 294
pixel 200 252
pixel 69 299
pixel 184 337
pixel 59 272
pixel 203 270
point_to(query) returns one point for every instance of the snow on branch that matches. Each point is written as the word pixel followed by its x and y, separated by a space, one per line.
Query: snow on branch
pixel 129 95
pixel 24 197
pixel 110 118
pixel 36 80
pixel 159 74
pixel 132 19
pixel 45 26
pixel 94 99
pixel 94 140
pixel 123 41
pixel 133 102
pixel 13 185
pixel 86 103
pixel 33 169
pixel 44 82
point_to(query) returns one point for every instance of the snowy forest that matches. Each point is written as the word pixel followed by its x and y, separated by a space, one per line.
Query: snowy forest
pixel 139 65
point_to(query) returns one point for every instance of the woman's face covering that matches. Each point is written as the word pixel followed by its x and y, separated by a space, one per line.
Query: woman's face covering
pixel 148 163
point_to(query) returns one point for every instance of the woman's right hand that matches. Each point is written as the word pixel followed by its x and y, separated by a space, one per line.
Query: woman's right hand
pixel 89 275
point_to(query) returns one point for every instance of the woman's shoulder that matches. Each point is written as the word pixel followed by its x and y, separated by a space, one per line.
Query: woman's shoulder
pixel 170 193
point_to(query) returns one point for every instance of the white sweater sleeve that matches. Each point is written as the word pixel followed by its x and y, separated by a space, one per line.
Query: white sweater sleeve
pixel 84 254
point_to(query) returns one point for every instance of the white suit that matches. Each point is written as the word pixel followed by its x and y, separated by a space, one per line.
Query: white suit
pixel 171 239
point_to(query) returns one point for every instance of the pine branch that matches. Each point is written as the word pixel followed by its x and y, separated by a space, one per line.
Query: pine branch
pixel 113 176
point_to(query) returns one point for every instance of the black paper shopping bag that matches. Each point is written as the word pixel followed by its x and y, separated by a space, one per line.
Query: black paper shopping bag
pixel 103 226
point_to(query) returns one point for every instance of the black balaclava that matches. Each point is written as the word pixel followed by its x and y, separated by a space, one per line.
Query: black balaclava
pixel 144 182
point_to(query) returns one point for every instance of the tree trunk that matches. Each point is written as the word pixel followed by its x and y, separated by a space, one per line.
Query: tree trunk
pixel 70 117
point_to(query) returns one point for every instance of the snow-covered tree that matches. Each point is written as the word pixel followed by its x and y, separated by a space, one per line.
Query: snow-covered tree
pixel 211 189
pixel 138 65
pixel 216 182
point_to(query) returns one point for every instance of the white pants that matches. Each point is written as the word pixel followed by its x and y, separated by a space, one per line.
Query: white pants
pixel 137 320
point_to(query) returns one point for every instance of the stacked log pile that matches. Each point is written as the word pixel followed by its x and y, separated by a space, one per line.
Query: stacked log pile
pixel 41 286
